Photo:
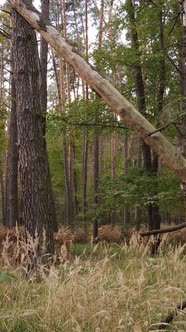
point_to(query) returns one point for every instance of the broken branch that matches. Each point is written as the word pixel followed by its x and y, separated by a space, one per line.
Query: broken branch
pixel 164 230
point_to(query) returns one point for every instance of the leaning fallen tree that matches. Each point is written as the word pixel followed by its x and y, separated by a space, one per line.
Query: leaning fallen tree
pixel 169 154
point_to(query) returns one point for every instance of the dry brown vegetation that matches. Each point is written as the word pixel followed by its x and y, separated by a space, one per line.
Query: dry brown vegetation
pixel 94 287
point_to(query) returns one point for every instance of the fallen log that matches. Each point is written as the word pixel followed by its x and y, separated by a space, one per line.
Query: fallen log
pixel 164 230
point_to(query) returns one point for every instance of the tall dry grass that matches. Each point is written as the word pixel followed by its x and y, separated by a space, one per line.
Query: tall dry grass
pixel 107 289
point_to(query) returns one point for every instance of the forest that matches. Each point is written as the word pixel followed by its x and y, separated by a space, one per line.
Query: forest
pixel 92 165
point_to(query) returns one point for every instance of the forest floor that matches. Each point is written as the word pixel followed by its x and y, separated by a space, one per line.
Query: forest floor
pixel 95 288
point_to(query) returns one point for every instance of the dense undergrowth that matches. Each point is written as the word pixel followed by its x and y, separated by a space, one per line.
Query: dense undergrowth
pixel 96 288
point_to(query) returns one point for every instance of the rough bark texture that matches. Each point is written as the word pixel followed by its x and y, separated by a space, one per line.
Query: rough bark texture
pixel 43 89
pixel 12 165
pixel 136 121
pixel 38 204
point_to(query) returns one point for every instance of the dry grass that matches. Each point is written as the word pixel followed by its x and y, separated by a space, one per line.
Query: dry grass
pixel 108 289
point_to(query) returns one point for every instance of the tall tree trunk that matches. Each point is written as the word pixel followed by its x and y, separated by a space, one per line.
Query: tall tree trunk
pixel 37 198
pixel 85 131
pixel 84 175
pixel 152 211
pixel 12 163
pixel 2 129
pixel 96 134
pixel 96 183
pixel 113 167
pixel 43 66
pixel 3 205
pixel 156 219
pixel 126 212
pixel 183 75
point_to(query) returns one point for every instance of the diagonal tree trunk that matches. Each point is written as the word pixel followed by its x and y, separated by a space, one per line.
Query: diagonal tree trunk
pixel 119 104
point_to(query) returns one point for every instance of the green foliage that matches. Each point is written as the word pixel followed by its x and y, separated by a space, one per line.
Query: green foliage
pixel 137 189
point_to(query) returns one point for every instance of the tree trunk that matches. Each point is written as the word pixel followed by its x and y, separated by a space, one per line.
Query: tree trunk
pixel 3 208
pixel 126 212
pixel 43 64
pixel 96 183
pixel 84 175
pixel 38 205
pixel 152 209
pixel 183 76
pixel 85 131
pixel 12 163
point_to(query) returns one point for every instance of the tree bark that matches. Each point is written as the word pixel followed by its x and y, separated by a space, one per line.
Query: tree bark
pixel 43 66
pixel 126 211
pixel 3 209
pixel 12 214
pixel 136 121
pixel 38 204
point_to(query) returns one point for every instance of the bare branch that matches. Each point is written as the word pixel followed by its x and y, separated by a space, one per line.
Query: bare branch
pixel 5 11
pixel 175 21
pixel 164 230
pixel 176 67
pixel 4 33
pixel 167 124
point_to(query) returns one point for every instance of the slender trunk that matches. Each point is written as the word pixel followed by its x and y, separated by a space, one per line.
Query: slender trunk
pixel 3 207
pixel 96 135
pixel 126 212
pixel 76 199
pixel 67 146
pixel 156 218
pixel 153 217
pixel 12 164
pixel 85 131
pixel 113 167
pixel 96 183
pixel 2 129
pixel 43 89
pixel 183 77
pixel 85 174
pixel 43 65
